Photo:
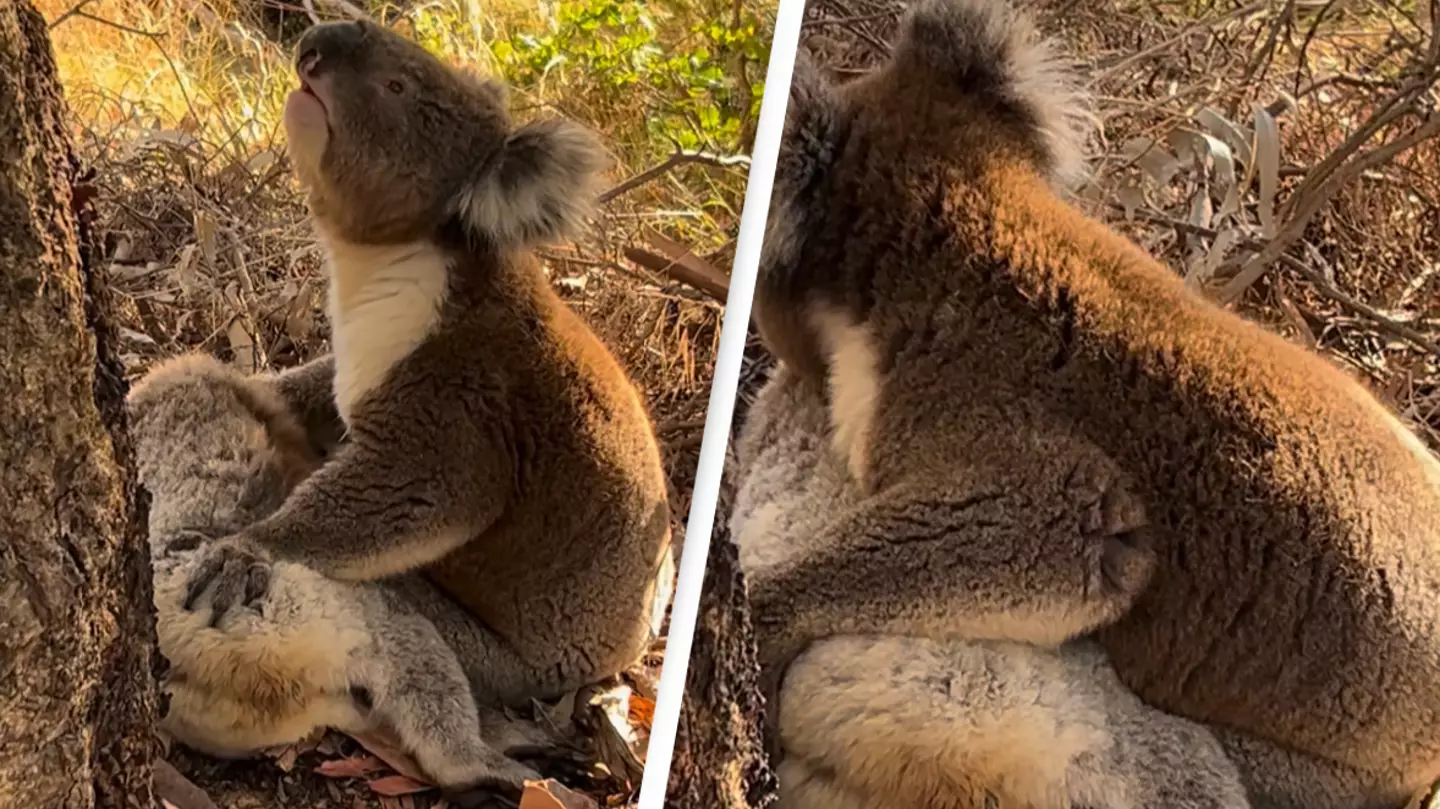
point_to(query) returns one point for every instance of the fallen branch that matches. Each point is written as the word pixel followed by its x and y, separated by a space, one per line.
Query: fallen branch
pixel 680 158
pixel 680 263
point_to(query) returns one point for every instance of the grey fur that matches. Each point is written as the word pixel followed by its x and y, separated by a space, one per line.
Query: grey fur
pixel 212 452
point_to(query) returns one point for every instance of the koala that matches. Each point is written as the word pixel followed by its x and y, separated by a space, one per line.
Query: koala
pixel 1250 536
pixel 218 451
pixel 880 721
pixel 491 442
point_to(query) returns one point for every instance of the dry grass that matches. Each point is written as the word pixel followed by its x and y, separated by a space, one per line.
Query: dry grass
pixel 1357 276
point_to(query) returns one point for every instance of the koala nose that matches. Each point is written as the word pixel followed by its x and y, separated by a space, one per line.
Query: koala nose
pixel 326 42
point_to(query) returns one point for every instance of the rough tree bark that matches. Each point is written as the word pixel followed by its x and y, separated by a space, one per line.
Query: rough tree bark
pixel 76 629
pixel 720 760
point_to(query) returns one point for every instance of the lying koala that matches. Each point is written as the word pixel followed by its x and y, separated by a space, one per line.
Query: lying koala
pixel 218 451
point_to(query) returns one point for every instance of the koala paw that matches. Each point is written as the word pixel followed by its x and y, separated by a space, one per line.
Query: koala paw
pixel 494 792
pixel 1114 527
pixel 239 572
pixel 565 764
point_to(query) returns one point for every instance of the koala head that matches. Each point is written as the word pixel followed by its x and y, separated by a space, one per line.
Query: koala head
pixel 393 145
pixel 879 161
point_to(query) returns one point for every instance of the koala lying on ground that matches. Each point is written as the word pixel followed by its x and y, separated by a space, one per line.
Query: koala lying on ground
pixel 1051 436
pixel 492 441
pixel 218 451
pixel 875 721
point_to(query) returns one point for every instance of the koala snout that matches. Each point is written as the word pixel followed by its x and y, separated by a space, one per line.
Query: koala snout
pixel 324 43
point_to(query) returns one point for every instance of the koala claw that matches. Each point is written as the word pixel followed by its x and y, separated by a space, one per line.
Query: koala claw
pixel 239 571
pixel 499 793
pixel 564 764
pixel 1126 563
pixel 1126 557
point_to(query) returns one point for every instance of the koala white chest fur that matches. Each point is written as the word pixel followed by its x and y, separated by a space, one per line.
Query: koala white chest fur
pixel 384 301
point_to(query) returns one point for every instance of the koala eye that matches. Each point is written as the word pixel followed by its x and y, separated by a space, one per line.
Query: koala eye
pixel 395 86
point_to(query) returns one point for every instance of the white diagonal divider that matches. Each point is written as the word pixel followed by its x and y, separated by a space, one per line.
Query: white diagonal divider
pixel 726 379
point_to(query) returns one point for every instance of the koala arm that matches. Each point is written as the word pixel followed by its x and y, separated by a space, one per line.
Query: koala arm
pixel 397 496
pixel 309 393
pixel 976 561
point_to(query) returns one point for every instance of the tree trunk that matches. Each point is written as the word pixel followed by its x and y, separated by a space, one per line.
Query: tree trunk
pixel 77 698
pixel 720 760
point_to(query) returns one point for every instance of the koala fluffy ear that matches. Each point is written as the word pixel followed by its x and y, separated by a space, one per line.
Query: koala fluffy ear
pixel 812 128
pixel 538 189
pixel 988 49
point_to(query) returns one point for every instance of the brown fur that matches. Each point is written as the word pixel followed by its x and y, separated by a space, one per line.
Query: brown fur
pixel 1294 520
pixel 492 438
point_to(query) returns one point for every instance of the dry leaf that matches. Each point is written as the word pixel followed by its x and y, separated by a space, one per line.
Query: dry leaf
pixel 1267 155
pixel 300 315
pixel 205 234
pixel 550 794
pixel 642 711
pixel 357 767
pixel 1152 158
pixel 395 785
pixel 389 751
pixel 286 760
pixel 242 344
pixel 185 274
pixel 616 741
pixel 562 713
pixel 1234 136
pixel 137 337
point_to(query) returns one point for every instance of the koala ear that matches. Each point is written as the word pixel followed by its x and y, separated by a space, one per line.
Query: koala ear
pixel 813 131
pixel 496 92
pixel 987 49
pixel 812 128
pixel 538 189
pixel 815 124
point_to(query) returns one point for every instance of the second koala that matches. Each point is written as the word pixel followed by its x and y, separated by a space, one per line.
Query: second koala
pixel 218 451
pixel 493 442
